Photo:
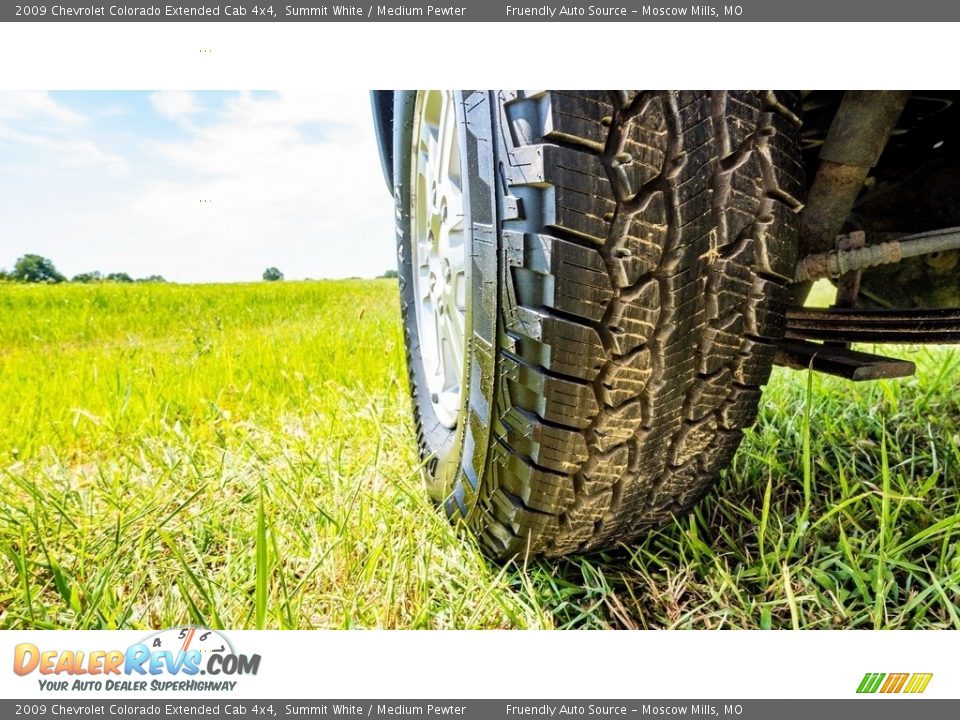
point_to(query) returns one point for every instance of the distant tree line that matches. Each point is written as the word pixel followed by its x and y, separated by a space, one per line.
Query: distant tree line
pixel 38 269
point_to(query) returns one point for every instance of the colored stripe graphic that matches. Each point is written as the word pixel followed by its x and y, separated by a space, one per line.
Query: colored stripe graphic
pixel 918 682
pixel 893 683
pixel 870 682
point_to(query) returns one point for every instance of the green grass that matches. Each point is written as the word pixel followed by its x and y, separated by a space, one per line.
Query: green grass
pixel 242 456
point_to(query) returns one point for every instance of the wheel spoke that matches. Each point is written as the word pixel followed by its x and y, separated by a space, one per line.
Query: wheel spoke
pixel 457 263
pixel 455 325
pixel 439 372
pixel 423 284
pixel 447 138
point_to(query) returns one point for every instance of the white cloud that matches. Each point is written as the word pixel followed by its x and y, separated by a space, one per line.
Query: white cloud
pixel 34 119
pixel 37 107
pixel 291 180
pixel 272 187
pixel 174 104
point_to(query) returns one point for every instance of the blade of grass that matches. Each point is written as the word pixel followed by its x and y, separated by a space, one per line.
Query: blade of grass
pixel 262 568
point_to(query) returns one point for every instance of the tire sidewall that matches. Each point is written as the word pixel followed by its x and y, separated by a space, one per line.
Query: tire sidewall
pixel 441 448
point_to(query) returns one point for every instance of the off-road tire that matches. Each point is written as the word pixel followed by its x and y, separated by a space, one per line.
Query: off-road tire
pixel 630 258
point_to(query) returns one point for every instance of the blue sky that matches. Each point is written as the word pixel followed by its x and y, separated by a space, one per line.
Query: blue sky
pixel 113 181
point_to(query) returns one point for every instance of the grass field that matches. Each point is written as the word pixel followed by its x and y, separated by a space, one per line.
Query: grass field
pixel 242 456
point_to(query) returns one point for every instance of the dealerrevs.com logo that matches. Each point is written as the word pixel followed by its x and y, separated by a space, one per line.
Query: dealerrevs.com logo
pixel 169 660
